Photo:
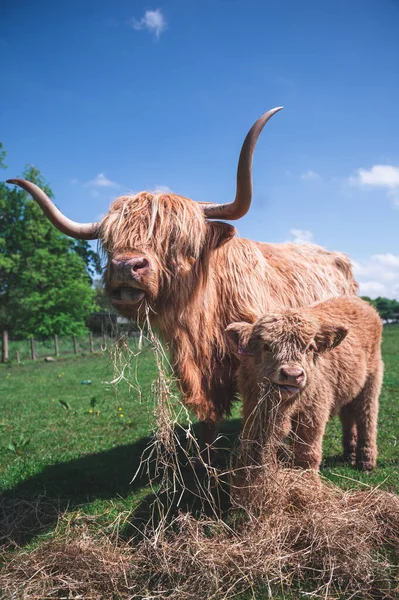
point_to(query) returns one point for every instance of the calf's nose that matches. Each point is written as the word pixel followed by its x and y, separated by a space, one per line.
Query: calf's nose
pixel 292 373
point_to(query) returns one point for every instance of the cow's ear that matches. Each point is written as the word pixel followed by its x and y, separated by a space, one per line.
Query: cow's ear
pixel 330 336
pixel 219 233
pixel 238 335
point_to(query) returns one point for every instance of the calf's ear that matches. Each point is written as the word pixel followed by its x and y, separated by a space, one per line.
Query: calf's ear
pixel 238 335
pixel 219 233
pixel 330 336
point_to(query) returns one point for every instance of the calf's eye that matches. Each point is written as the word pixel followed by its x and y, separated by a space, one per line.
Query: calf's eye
pixel 310 348
pixel 266 347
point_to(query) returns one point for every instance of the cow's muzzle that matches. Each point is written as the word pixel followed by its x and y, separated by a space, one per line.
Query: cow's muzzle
pixel 128 278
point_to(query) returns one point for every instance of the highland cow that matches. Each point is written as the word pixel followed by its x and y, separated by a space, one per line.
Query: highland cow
pixel 193 276
pixel 306 365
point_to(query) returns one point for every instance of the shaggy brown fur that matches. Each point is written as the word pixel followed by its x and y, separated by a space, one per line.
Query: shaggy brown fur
pixel 196 277
pixel 307 365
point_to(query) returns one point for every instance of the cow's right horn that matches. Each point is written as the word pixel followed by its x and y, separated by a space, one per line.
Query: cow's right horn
pixel 240 206
pixel 79 231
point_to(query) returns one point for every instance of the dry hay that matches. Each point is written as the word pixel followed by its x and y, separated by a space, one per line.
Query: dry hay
pixel 289 532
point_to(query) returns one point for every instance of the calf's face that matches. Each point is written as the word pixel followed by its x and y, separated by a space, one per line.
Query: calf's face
pixel 280 351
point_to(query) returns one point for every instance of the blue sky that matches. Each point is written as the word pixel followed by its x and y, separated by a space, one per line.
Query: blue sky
pixel 109 97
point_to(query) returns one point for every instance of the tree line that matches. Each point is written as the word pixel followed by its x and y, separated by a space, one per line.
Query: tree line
pixel 46 277
pixel 387 308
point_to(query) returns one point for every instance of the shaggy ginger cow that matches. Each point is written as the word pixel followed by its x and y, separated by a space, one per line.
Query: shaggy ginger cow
pixel 306 365
pixel 195 276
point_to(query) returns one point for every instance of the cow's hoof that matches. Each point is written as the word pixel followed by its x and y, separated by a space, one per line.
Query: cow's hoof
pixel 350 458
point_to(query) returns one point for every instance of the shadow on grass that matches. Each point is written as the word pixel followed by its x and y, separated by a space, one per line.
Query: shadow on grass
pixel 34 506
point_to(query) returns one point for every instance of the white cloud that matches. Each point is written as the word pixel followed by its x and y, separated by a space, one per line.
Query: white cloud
pixel 387 260
pixel 300 236
pixel 379 176
pixel 162 189
pixel 378 276
pixel 101 181
pixel 153 21
pixel 309 175
pixel 373 289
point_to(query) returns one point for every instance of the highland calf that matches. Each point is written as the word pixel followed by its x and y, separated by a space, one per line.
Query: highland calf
pixel 303 366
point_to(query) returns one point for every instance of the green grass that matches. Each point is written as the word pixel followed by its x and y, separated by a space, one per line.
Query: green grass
pixel 68 444
pixel 65 438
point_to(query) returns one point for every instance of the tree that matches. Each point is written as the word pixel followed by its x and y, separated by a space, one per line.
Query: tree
pixel 387 308
pixel 45 276
pixel 102 300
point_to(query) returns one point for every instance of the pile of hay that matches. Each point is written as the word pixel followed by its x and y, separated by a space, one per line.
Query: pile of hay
pixel 290 532
pixel 308 535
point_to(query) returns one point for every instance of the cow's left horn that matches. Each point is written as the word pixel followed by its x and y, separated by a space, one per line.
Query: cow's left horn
pixel 79 231
pixel 240 206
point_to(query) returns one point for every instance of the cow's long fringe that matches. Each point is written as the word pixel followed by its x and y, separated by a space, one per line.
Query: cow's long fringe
pixel 287 532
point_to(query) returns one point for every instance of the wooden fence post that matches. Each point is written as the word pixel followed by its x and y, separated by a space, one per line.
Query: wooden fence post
pixel 91 342
pixel 32 348
pixel 57 353
pixel 4 352
pixel 75 344
pixel 105 340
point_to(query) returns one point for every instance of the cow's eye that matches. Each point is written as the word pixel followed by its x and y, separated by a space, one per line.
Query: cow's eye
pixel 310 348
pixel 266 347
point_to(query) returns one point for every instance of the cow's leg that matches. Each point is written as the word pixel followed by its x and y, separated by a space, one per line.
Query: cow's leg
pixel 207 439
pixel 209 397
pixel 349 432
pixel 308 430
pixel 219 393
pixel 366 406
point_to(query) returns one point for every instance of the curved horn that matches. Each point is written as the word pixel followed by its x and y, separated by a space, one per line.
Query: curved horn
pixel 79 231
pixel 240 206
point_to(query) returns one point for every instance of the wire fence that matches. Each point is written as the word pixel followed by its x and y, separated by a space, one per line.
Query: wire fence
pixel 54 347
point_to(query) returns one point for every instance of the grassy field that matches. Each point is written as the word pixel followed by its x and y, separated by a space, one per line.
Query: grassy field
pixel 74 446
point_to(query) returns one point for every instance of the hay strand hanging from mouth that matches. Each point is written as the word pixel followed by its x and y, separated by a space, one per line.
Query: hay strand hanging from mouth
pixel 173 458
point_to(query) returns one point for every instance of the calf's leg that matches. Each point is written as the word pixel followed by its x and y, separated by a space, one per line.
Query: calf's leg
pixel 307 431
pixel 366 407
pixel 349 432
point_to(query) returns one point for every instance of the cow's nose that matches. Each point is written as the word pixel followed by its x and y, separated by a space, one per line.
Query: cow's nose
pixel 292 373
pixel 137 265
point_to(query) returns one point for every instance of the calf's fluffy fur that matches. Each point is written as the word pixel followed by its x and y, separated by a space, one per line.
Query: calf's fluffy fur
pixel 302 366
